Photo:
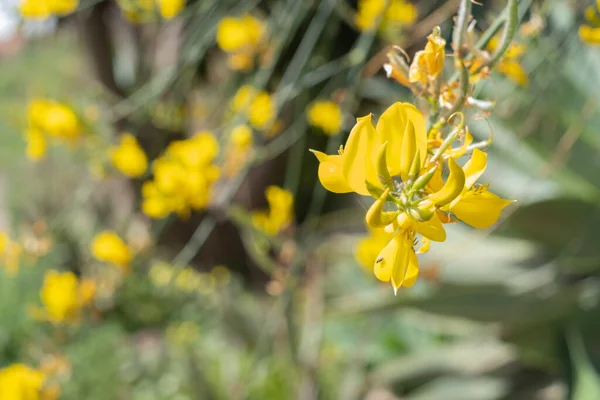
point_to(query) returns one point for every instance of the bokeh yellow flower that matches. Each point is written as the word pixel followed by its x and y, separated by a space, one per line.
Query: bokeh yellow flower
pixel 183 177
pixel 143 11
pixel 10 254
pixel 41 9
pixel 63 297
pixel 325 115
pixel 49 120
pixel 397 13
pixel 510 65
pixel 257 105
pixel 280 213
pixel 590 33
pixel 170 8
pixel 20 382
pixel 128 157
pixel 239 149
pixel 241 38
pixel 107 246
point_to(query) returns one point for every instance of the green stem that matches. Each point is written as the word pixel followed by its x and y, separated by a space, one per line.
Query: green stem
pixel 462 20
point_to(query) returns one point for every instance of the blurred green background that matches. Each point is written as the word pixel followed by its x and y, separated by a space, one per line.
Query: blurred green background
pixel 508 313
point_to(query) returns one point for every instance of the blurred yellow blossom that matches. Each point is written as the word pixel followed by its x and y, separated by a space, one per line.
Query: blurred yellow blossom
pixel 325 115
pixel 129 157
pixel 10 254
pixel 63 297
pixel 183 177
pixel 221 275
pixel 49 119
pixel 510 65
pixel 107 246
pixel 397 149
pixel 279 214
pixel 257 105
pixel 45 8
pixel 239 149
pixel 142 11
pixel 161 274
pixel 188 280
pixel 20 382
pixel 590 33
pixel 242 38
pixel 397 13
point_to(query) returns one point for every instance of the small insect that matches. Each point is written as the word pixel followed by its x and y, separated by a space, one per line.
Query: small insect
pixel 379 259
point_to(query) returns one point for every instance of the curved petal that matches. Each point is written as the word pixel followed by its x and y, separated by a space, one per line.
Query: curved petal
pixel 475 167
pixel 432 229
pixel 412 270
pixel 358 160
pixel 409 148
pixel 452 188
pixel 404 248
pixel 390 128
pixel 330 175
pixel 385 261
pixel 480 209
pixel 415 116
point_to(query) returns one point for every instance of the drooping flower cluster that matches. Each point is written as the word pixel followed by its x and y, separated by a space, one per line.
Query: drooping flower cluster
pixel 63 297
pixel 402 168
pixel 325 115
pixel 256 105
pixel 128 157
pixel 49 120
pixel 393 14
pixel 280 213
pixel 242 38
pixel 590 33
pixel 142 11
pixel 183 177
pixel 41 9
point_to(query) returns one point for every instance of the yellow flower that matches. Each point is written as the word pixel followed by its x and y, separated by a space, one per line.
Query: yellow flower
pixel 401 167
pixel 591 33
pixel 107 246
pixel 257 106
pixel 355 165
pixel 36 144
pixel 510 65
pixel 10 254
pixel 20 382
pixel 188 280
pixel 280 213
pixel 428 63
pixel 161 274
pixel 129 157
pixel 368 249
pixel 325 115
pixel 170 8
pixel 63 296
pixel 240 148
pixel 46 8
pixel 397 13
pixel 242 39
pixel 183 177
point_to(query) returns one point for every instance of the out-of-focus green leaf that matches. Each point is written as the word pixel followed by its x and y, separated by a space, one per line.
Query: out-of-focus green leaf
pixel 587 381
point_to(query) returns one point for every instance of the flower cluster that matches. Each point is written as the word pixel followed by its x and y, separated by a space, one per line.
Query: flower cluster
pixel 108 247
pixel 63 297
pixel 10 254
pixel 510 64
pixel 590 33
pixel 128 157
pixel 325 115
pixel 20 382
pixel 48 119
pixel 183 177
pixel 142 11
pixel 45 8
pixel 402 168
pixel 279 214
pixel 256 105
pixel 393 14
pixel 242 39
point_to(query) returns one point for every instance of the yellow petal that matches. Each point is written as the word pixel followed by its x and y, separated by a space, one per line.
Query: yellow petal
pixel 589 35
pixel 479 208
pixel 330 173
pixel 453 186
pixel 412 270
pixel 409 148
pixel 432 229
pixel 515 72
pixel 475 167
pixel 384 263
pixel 404 248
pixel 425 246
pixel 374 213
pixel 391 127
pixel 358 160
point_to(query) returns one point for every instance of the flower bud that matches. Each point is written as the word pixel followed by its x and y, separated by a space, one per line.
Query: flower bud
pixel 374 214
pixel 453 186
